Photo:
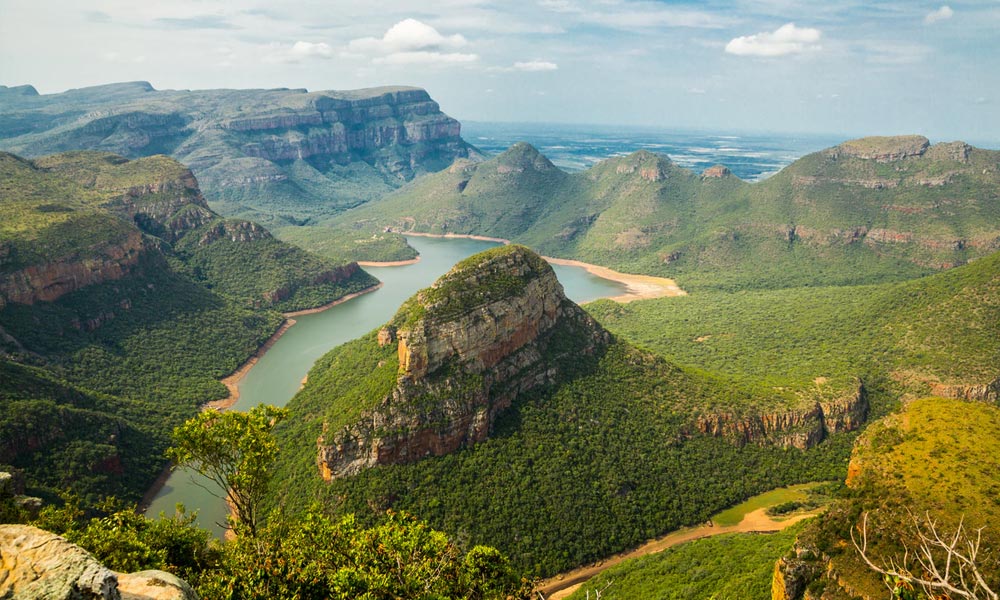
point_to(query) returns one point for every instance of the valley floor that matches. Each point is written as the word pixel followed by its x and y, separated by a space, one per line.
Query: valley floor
pixel 756 521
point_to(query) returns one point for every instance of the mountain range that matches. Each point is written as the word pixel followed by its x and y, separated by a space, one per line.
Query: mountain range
pixel 868 210
pixel 276 156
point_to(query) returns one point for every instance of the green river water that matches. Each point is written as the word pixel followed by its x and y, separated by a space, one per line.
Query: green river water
pixel 279 373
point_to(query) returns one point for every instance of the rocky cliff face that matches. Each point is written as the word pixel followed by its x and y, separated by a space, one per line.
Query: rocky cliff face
pixel 468 346
pixel 50 281
pixel 38 564
pixel 244 144
pixel 801 428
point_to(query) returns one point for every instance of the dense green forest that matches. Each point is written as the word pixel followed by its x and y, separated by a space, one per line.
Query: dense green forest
pixel 939 329
pixel 97 375
pixel 570 474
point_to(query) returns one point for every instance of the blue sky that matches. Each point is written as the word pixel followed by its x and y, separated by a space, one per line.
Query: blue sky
pixel 842 66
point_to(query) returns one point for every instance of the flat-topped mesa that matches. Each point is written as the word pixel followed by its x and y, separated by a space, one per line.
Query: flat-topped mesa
pixel 882 148
pixel 493 328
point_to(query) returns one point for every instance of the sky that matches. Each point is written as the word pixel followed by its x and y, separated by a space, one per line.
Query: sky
pixel 846 67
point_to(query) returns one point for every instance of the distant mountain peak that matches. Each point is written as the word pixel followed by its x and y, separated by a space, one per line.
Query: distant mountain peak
pixel 649 165
pixel 521 157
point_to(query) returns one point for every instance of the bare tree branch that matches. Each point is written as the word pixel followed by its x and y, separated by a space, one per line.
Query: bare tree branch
pixel 946 563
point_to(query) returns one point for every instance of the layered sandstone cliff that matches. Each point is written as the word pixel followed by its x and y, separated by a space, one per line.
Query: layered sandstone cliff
pixel 801 428
pixel 467 347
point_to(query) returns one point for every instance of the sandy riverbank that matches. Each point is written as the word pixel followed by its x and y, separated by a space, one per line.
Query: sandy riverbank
pixel 388 263
pixel 561 586
pixel 464 236
pixel 638 287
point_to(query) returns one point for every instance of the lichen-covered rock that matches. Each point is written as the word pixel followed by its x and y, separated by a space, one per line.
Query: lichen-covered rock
pixel 154 585
pixel 38 565
pixel 491 329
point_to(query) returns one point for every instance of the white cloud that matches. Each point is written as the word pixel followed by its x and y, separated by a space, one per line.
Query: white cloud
pixel 785 40
pixel 282 53
pixel 409 35
pixel 535 65
pixel 941 14
pixel 411 42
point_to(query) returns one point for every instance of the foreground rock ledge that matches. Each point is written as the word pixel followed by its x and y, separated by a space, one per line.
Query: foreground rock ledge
pixel 37 565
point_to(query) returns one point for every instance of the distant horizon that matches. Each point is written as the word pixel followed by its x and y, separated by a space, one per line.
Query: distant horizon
pixel 882 67
pixel 652 127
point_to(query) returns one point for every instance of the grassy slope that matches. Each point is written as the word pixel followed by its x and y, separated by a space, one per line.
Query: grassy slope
pixel 922 461
pixel 796 228
pixel 943 327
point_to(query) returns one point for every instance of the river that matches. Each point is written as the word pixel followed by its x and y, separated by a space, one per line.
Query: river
pixel 280 371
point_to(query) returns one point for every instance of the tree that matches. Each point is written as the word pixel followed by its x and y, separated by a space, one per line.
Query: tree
pixel 235 450
pixel 942 565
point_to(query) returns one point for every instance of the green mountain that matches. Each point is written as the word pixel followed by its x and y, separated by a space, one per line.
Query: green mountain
pixel 494 407
pixel 123 300
pixel 875 209
pixel 276 156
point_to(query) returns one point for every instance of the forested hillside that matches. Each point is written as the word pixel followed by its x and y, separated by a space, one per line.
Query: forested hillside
pixel 123 300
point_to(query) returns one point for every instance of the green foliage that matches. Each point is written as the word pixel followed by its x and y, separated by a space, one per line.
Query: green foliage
pixel 94 381
pixel 318 556
pixel 236 451
pixel 267 272
pixel 737 565
pixel 343 246
pixel 940 328
pixel 571 473
pixel 125 541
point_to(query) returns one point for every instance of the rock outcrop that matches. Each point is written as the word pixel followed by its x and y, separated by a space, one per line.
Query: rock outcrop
pixel 716 172
pixel 488 331
pixel 800 428
pixel 36 564
pixel 882 148
pixel 49 281
pixel 983 392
